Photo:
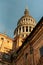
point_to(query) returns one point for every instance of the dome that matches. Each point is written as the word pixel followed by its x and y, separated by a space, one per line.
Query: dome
pixel 25 25
pixel 26 19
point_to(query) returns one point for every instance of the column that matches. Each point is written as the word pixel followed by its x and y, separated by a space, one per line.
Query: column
pixel 28 28
pixel 25 31
pixel 21 29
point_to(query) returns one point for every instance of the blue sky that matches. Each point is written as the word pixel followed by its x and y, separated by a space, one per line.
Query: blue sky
pixel 12 10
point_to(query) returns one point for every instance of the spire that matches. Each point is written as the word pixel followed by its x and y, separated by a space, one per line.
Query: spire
pixel 26 12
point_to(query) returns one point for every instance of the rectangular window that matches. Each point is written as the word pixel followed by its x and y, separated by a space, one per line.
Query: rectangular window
pixel 19 29
pixel 30 29
pixel 26 28
pixel 23 29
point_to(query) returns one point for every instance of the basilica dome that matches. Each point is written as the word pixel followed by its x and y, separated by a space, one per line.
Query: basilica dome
pixel 26 19
pixel 25 25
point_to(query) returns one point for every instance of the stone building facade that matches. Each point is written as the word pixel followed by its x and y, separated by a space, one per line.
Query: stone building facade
pixel 31 51
pixel 6 46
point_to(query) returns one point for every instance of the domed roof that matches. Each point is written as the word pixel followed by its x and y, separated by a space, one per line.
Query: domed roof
pixel 26 18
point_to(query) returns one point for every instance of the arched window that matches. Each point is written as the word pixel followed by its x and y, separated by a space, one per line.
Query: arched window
pixel 41 51
pixel 24 19
pixel 2 38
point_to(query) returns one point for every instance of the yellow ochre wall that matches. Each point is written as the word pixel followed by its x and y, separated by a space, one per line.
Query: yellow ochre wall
pixel 6 43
